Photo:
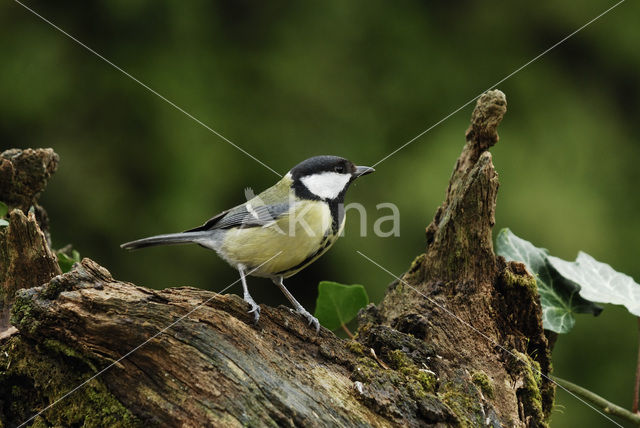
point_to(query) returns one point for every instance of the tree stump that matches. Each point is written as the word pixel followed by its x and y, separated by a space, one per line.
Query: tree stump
pixel 456 341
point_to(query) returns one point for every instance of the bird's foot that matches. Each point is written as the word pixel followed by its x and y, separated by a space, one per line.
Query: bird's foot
pixel 255 308
pixel 312 320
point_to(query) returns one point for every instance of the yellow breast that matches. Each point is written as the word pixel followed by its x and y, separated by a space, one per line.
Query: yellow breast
pixel 284 246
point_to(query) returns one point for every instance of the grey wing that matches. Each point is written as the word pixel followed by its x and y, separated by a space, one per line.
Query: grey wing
pixel 244 216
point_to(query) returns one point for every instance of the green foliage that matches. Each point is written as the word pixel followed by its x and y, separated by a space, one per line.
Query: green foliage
pixel 338 304
pixel 559 296
pixel 566 287
pixel 66 261
pixel 4 209
pixel 599 282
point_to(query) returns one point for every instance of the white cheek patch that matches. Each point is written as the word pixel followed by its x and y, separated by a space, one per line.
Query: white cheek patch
pixel 326 185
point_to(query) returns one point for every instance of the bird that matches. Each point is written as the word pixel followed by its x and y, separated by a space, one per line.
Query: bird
pixel 280 231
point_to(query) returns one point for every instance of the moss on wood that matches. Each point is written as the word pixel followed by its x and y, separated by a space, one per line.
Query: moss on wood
pixel 481 380
pixel 32 377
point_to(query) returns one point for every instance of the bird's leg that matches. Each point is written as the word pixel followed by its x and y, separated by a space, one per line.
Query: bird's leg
pixel 247 297
pixel 297 306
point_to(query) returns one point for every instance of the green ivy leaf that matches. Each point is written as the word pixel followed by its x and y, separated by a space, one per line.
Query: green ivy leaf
pixel 338 304
pixel 559 296
pixel 599 282
pixel 66 261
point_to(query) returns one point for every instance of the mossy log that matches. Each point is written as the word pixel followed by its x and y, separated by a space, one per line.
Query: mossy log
pixel 88 350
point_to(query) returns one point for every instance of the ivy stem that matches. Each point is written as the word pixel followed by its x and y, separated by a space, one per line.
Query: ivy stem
pixel 636 391
pixel 346 330
pixel 606 406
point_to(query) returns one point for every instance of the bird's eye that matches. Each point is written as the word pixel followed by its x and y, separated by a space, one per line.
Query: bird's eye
pixel 339 169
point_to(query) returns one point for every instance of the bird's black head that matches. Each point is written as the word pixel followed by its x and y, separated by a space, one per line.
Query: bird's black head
pixel 325 177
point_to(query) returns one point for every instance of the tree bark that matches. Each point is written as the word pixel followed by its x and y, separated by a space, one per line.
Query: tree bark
pixel 457 340
pixel 25 257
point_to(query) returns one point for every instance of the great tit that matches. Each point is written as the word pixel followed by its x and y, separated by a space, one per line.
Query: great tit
pixel 280 231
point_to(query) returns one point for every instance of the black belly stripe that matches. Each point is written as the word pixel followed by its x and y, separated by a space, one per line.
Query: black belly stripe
pixel 336 207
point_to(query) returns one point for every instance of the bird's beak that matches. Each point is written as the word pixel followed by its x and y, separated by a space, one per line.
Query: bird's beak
pixel 363 170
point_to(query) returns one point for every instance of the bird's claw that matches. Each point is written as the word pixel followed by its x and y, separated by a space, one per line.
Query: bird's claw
pixel 255 310
pixel 312 320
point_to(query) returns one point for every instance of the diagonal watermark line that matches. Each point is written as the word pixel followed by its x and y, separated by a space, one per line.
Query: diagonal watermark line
pixel 153 91
pixel 487 337
pixel 540 55
pixel 144 343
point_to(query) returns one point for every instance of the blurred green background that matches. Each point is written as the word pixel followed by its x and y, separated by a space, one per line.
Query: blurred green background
pixel 286 81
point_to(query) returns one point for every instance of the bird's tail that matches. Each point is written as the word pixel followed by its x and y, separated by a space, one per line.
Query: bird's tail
pixel 168 239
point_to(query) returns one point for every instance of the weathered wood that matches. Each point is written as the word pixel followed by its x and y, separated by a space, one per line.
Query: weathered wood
pixel 198 360
pixel 24 174
pixel 25 257
pixel 460 282
pixel 213 365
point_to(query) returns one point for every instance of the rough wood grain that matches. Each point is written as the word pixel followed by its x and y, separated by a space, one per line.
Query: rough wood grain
pixel 24 174
pixel 213 366
pixel 460 282
pixel 25 257
pixel 412 363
